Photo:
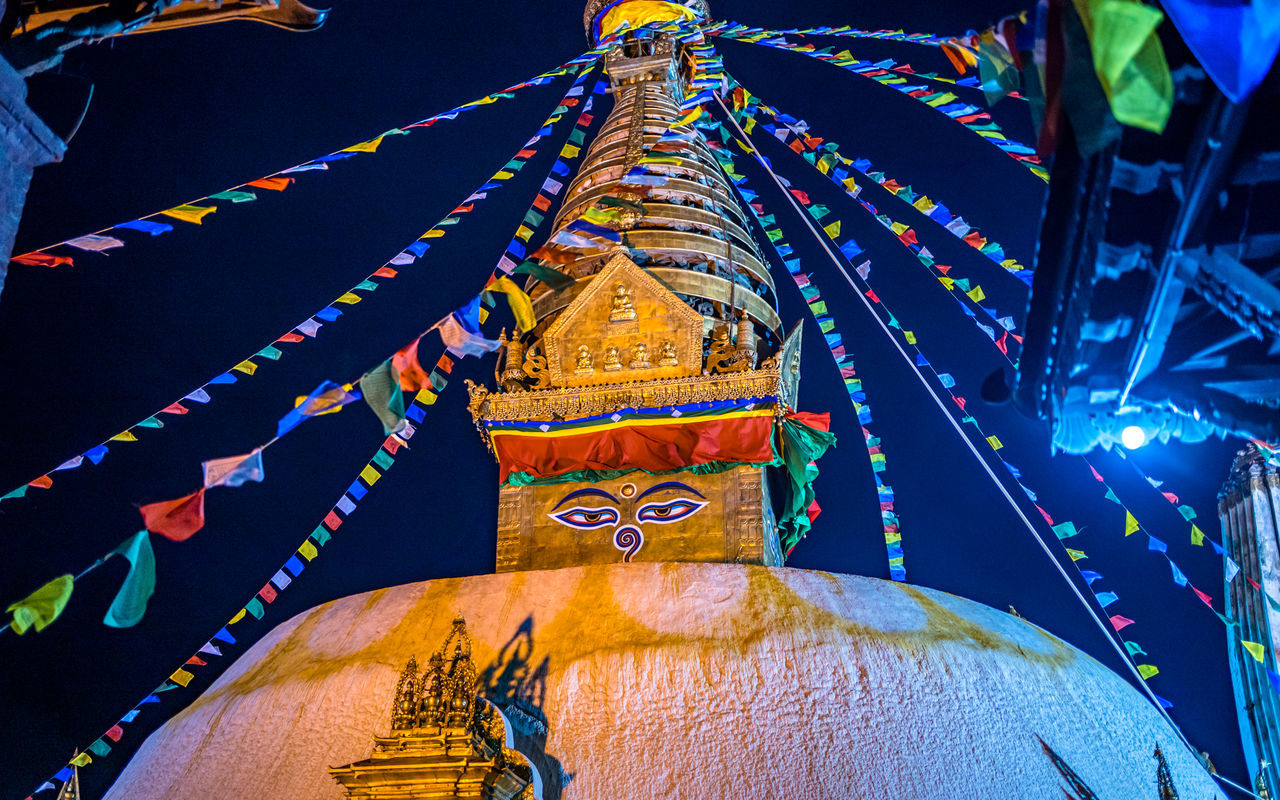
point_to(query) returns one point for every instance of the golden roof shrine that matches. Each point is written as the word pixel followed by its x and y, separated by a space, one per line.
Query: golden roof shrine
pixel 445 742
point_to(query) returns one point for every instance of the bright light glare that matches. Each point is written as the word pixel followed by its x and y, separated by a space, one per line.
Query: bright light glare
pixel 1133 437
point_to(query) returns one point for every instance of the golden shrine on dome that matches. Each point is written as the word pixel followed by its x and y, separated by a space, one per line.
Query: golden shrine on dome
pixel 623 326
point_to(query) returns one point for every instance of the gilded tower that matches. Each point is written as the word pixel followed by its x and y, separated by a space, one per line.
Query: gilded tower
pixel 642 418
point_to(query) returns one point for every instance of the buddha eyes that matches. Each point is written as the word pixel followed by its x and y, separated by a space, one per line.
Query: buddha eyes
pixel 668 511
pixel 586 519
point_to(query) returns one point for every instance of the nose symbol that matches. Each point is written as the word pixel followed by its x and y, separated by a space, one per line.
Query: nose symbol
pixel 628 539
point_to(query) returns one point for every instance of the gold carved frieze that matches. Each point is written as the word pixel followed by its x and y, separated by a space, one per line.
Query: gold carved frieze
pixel 566 404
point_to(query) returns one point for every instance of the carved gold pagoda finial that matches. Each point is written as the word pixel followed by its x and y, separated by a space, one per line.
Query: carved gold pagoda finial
pixel 442 735
pixel 622 308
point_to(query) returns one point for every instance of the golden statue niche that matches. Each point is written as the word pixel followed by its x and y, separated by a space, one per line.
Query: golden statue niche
pixel 445 742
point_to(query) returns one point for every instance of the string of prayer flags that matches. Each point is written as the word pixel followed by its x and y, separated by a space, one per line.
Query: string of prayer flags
pixel 176 520
pixel 853 384
pixel 460 332
pixel 195 213
pixel 306 329
pixel 944 103
pixel 326 398
pixel 824 155
pixel 40 608
pixel 130 602
pixel 737 30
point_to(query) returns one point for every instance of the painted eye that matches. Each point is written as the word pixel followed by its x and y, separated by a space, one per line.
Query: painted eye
pixel 668 511
pixel 586 519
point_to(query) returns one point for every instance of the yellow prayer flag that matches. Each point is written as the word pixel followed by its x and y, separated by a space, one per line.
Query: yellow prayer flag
pixel 189 213
pixel 182 677
pixel 1197 535
pixel 833 230
pixel 239 616
pixel 976 294
pixel 370 475
pixel 503 174
pixel 994 442
pixel 349 298
pixel 898 228
pixel 434 233
pixel 911 337
pixel 370 146
pixel 570 151
pixel 484 315
pixel 1256 650
pixel 924 204
pixel 426 396
pixel 850 185
pixel 40 608
pixel 124 436
pixel 81 760
pixel 246 366
pixel 1148 671
pixel 308 550
pixel 524 232
pixel 1130 523
pixel 1076 555
pixel 947 282
pixel 521 305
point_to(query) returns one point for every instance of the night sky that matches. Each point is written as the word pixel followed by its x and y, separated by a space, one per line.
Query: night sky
pixel 89 350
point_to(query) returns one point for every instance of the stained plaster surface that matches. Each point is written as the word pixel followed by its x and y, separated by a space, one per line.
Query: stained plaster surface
pixel 684 681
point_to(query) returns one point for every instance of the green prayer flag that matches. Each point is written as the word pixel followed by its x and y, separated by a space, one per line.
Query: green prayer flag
pixel 381 390
pixel 553 278
pixel 1065 530
pixel 255 608
pixel 99 748
pixel 235 196
pixel 1129 60
pixel 1148 671
pixel 1134 649
pixel 130 602
pixel 40 608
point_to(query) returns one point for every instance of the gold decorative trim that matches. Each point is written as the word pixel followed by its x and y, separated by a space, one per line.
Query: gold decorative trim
pixel 586 401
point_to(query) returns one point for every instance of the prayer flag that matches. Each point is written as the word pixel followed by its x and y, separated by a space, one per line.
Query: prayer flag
pixel 40 608
pixel 1130 523
pixel 175 520
pixel 381 390
pixel 832 230
pixel 130 602
pixel 233 470
pixel 190 213
pixel 412 376
pixel 95 242
pixel 1119 623
pixel 521 305
pixel 460 331
pixel 1255 649
pixel 326 398
pixel 147 226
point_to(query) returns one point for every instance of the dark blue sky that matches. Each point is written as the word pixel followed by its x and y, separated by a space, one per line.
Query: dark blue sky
pixel 90 350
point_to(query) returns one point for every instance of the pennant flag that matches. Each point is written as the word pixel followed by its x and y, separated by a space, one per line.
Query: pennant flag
pixel 40 608
pixel 175 520
pixel 1065 530
pixel 1148 671
pixel 1197 535
pixel 554 279
pixel 130 602
pixel 1256 650
pixel 413 377
pixel 521 305
pixel 460 331
pixel 95 242
pixel 147 226
pixel 381 390
pixel 189 213
pixel 1130 523
pixel 1119 623
pixel 42 260
pixel 832 230
pixel 233 470
pixel 326 398
pixel 274 183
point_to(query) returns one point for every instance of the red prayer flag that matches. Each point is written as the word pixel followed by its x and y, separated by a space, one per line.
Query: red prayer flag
pixel 174 408
pixel 892 185
pixel 1204 598
pixel 1003 344
pixel 463 209
pixel 943 268
pixel 526 153
pixel 908 236
pixel 385 272
pixel 412 376
pixel 175 520
pixel 803 197
pixel 445 363
pixel 43 482
pixel 196 661
pixel 1096 476
pixel 392 444
pixel 1171 497
pixel 268 593
pixel 332 520
pixel 872 296
pixel 960 401
pixel 542 202
pixel 1255 584
pixel 1118 622
pixel 290 337
pixel 585 120
pixel 275 183
pixel 813 511
pixel 796 146
pixel 974 239
pixel 42 260
pixel 115 733
pixel 1045 514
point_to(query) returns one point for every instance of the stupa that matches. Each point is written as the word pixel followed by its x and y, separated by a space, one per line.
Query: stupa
pixel 640 635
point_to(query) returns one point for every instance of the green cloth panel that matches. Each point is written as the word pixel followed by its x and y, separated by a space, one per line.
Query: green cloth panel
pixel 130 602
pixel 801 445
